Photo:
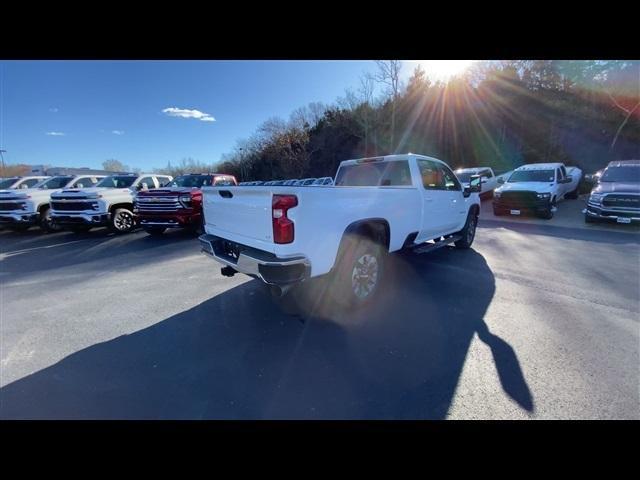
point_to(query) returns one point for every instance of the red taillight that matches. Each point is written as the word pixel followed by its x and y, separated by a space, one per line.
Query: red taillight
pixel 283 231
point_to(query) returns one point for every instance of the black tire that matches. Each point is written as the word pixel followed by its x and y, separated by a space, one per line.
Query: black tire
pixel 155 231
pixel 198 229
pixel 358 272
pixel 122 221
pixel 80 228
pixel 469 231
pixel 548 213
pixel 589 219
pixel 46 225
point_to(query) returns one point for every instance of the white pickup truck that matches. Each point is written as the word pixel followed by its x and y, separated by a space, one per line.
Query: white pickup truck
pixel 26 207
pixel 536 188
pixel 488 178
pixel 284 235
pixel 109 203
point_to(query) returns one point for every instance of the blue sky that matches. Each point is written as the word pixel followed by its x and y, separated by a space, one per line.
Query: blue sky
pixel 79 113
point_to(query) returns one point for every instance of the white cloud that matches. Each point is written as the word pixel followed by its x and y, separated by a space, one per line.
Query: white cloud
pixel 55 134
pixel 185 113
pixel 54 110
pixel 117 132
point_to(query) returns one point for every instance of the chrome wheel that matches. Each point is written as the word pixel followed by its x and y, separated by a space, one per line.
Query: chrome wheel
pixel 123 221
pixel 364 277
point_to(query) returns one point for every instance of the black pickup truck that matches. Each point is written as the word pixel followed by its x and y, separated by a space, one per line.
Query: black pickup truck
pixel 616 195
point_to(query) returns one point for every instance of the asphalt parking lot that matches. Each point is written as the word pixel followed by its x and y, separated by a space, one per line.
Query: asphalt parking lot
pixel 539 320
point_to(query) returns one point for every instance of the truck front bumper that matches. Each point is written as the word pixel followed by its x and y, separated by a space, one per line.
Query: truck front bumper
pixel 537 207
pixel 256 263
pixel 168 220
pixel 619 216
pixel 96 219
pixel 18 218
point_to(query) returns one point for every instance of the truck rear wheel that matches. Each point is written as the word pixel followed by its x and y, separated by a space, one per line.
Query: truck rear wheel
pixel 468 232
pixel 548 213
pixel 359 270
pixel 122 221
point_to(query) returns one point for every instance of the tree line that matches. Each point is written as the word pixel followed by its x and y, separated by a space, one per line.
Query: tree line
pixel 500 114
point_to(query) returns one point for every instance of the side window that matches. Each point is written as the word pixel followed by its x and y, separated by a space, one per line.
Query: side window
pixel 487 173
pixel 396 174
pixel 149 181
pixel 162 181
pixel 224 181
pixel 30 183
pixel 437 176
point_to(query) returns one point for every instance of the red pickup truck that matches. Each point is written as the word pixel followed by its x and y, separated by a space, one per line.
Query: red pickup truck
pixel 178 204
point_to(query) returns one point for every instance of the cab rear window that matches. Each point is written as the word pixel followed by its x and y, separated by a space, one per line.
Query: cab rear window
pixel 379 174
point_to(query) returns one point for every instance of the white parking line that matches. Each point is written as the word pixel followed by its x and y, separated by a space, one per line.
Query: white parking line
pixel 17 252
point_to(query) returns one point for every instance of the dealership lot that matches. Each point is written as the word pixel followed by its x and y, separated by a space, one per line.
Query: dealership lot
pixel 540 319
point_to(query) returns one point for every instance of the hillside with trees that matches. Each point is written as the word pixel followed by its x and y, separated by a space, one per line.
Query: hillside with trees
pixel 499 113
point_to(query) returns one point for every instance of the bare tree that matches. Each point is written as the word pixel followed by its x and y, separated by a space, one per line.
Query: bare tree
pixel 389 74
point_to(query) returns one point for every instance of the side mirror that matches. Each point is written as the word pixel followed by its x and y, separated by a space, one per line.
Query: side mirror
pixel 475 186
pixel 500 180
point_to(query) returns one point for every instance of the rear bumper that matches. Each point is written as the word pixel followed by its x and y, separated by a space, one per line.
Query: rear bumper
pixel 613 215
pixel 256 263
pixel 22 218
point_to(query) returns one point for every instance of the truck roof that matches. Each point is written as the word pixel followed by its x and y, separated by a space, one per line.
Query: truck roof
pixel 541 166
pixel 387 158
pixel 472 169
pixel 624 163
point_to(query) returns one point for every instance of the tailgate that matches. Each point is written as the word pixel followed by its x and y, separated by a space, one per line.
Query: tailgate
pixel 244 212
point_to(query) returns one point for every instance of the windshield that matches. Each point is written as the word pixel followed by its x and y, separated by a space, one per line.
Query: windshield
pixel 7 182
pixel 117 181
pixel 621 174
pixel 53 183
pixel 193 181
pixel 532 176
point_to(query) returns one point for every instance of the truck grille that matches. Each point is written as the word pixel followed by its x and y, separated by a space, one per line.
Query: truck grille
pixel 621 201
pixel 8 206
pixel 519 199
pixel 157 204
pixel 73 206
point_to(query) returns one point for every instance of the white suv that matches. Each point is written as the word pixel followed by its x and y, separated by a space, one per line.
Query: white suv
pixel 109 203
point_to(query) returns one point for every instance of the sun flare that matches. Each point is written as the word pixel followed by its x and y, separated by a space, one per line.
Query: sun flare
pixel 444 69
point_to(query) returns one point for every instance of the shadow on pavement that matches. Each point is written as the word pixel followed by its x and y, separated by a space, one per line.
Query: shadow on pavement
pixel 239 356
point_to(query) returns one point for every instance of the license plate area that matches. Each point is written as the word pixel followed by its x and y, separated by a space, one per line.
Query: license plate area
pixel 515 212
pixel 623 220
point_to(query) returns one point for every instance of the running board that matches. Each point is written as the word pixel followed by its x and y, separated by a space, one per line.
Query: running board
pixel 429 247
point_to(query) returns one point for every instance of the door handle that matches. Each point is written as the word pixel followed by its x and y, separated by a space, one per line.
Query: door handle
pixel 428 199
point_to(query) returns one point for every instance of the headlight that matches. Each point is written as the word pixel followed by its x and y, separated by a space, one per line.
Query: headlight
pixel 595 197
pixel 185 200
pixel 543 195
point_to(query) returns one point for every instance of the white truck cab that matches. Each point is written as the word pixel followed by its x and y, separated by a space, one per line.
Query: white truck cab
pixel 536 188
pixel 109 203
pixel 26 207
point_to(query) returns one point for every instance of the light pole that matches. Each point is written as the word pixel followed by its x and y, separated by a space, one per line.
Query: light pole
pixel 2 158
